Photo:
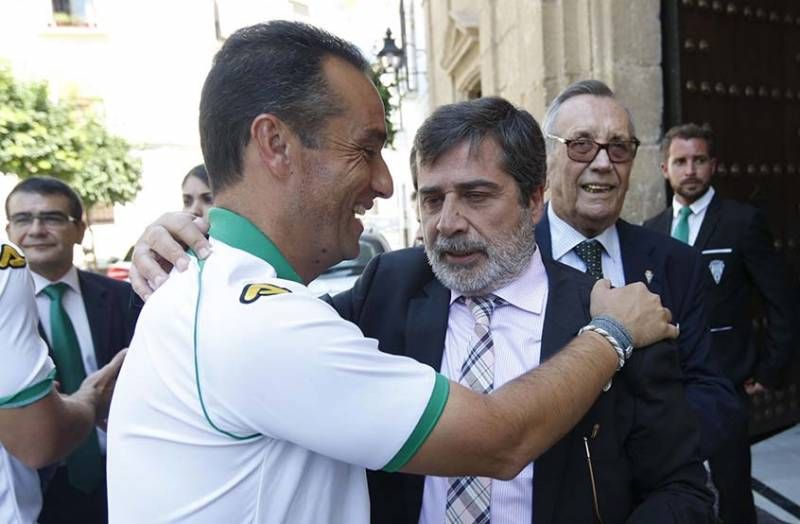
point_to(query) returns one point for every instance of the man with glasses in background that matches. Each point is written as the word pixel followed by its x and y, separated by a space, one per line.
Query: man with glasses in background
pixel 86 320
pixel 591 145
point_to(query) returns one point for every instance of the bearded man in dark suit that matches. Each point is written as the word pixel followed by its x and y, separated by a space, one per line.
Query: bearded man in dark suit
pixel 738 259
pixel 481 173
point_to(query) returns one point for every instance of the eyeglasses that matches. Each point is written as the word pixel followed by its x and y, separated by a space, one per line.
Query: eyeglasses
pixel 586 149
pixel 49 219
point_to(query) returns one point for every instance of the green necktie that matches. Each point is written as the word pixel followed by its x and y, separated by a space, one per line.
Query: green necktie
pixel 85 464
pixel 681 231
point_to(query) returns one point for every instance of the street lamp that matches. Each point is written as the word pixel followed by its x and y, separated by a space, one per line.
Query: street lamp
pixel 392 57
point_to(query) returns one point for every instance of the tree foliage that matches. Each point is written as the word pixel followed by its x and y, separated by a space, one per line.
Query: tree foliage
pixel 63 139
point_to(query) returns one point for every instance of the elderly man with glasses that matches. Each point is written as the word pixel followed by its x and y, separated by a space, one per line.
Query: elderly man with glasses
pixel 85 318
pixel 590 151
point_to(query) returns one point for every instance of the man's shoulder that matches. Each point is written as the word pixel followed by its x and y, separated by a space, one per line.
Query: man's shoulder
pixel 408 263
pixel 734 209
pixel 653 222
pixel 105 282
pixel 645 237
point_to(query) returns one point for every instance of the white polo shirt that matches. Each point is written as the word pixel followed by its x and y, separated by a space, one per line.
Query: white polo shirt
pixel 26 376
pixel 269 410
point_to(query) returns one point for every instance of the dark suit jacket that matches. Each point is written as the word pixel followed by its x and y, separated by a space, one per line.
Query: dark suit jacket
pixel 677 277
pixel 111 313
pixel 735 241
pixel 112 318
pixel 643 453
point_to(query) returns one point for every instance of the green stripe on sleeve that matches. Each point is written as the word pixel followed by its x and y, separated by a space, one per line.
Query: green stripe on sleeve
pixel 428 420
pixel 30 394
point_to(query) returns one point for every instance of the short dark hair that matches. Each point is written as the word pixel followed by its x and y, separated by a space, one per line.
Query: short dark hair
pixel 199 172
pixel 47 185
pixel 515 131
pixel 687 132
pixel 581 87
pixel 267 68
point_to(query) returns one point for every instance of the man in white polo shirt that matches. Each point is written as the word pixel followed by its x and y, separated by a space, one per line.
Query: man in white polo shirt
pixel 37 425
pixel 245 398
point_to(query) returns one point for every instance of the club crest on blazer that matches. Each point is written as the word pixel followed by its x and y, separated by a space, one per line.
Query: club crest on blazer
pixel 717 267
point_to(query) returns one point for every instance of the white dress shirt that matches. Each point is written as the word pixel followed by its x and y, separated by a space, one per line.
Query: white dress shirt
pixel 698 208
pixel 73 304
pixel 564 238
pixel 517 335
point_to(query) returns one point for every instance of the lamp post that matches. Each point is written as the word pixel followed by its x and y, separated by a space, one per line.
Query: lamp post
pixel 392 57
pixel 392 60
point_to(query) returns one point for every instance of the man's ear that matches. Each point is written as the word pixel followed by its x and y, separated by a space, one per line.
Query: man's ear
pixel 271 137
pixel 81 231
pixel 537 203
pixel 664 170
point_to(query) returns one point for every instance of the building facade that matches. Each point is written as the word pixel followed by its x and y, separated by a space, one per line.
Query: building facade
pixel 529 50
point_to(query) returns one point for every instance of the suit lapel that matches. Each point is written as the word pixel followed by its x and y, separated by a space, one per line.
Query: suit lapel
pixel 638 260
pixel 426 324
pixel 543 236
pixel 426 328
pixel 567 311
pixel 95 299
pixel 709 223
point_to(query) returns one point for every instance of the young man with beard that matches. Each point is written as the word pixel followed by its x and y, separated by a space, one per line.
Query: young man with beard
pixel 591 146
pixel 738 259
pixel 480 190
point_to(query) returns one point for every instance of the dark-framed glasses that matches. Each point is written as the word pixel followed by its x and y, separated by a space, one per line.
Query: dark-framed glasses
pixel 585 149
pixel 50 219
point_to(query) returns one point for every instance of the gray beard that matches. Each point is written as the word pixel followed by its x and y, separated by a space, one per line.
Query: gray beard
pixel 506 259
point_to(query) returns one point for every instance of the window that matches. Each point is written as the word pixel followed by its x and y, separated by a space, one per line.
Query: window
pixel 73 13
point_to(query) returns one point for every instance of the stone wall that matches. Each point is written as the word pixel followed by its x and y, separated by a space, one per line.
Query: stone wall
pixel 528 50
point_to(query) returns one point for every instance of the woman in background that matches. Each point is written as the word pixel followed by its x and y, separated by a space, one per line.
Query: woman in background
pixel 197 197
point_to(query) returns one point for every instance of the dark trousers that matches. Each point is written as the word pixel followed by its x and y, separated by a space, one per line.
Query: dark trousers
pixel 731 473
pixel 63 504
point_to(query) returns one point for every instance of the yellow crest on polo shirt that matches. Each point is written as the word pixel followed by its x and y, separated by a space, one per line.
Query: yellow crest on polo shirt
pixel 10 257
pixel 252 292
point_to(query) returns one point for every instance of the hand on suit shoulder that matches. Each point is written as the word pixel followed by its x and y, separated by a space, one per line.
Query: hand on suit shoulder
pixel 639 310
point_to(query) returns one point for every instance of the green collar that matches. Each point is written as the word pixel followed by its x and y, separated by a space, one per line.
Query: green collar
pixel 235 230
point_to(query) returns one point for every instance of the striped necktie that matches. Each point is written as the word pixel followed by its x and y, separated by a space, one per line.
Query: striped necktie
pixel 469 498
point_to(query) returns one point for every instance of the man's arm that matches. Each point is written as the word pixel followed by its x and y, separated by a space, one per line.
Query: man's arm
pixel 37 424
pixel 497 435
pixel 49 429
pixel 711 396
pixel 767 271
pixel 662 443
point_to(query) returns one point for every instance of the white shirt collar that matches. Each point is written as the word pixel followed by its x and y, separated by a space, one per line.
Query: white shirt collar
pixel 697 207
pixel 564 237
pixel 527 292
pixel 70 278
